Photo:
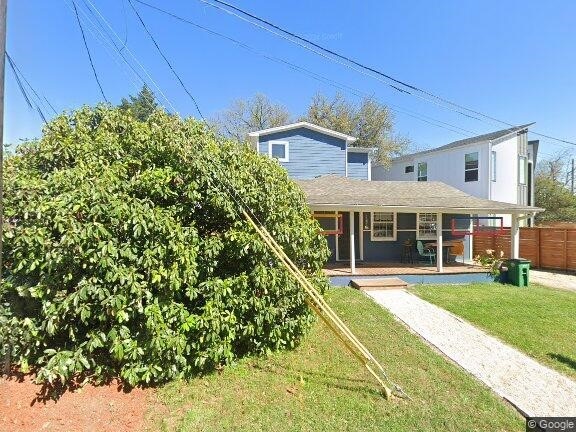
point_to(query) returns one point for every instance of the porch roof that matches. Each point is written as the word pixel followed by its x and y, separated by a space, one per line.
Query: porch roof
pixel 336 192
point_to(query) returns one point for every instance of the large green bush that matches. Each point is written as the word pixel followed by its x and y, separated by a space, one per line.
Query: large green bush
pixel 125 256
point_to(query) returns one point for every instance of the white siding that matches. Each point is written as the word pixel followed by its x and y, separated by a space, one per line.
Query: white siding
pixel 395 172
pixel 505 188
pixel 446 166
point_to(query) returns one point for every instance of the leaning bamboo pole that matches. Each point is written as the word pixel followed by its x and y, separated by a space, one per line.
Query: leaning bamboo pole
pixel 326 313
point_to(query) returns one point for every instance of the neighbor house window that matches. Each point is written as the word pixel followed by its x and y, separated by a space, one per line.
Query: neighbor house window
pixel 279 150
pixel 493 166
pixel 471 167
pixel 383 226
pixel 522 167
pixel 409 169
pixel 427 226
pixel 422 171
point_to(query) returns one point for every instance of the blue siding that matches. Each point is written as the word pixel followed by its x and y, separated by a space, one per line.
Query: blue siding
pixel 311 154
pixel 358 165
pixel 392 250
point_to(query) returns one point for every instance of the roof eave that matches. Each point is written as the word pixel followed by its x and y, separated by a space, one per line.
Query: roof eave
pixel 416 209
pixel 349 139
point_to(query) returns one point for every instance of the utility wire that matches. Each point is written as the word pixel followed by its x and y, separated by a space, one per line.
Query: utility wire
pixel 166 59
pixel 412 88
pixel 336 60
pixel 127 49
pixel 29 100
pixel 15 66
pixel 105 39
pixel 88 51
pixel 395 108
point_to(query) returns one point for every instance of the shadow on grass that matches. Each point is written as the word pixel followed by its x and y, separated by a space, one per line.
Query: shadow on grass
pixel 563 359
pixel 364 386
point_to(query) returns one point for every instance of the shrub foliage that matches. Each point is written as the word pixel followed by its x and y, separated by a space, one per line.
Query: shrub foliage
pixel 125 256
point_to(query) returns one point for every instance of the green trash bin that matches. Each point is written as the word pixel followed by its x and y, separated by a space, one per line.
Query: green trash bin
pixel 519 272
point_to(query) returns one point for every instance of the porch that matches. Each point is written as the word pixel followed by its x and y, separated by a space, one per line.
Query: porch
pixel 369 223
pixel 397 268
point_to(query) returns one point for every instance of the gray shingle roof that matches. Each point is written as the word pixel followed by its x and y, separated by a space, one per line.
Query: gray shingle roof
pixel 492 136
pixel 343 192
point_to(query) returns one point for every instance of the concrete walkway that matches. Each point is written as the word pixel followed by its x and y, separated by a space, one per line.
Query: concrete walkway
pixel 554 279
pixel 534 389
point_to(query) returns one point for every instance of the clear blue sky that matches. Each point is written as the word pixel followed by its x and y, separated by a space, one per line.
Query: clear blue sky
pixel 514 60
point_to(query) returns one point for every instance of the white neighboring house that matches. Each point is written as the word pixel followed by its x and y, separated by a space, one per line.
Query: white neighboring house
pixel 498 166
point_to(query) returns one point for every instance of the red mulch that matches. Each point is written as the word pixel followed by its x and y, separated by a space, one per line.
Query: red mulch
pixel 28 407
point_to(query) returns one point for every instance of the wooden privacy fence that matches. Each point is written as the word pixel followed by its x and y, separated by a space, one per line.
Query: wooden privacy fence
pixel 552 248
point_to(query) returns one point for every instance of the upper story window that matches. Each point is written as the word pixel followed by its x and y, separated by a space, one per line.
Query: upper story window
pixel 493 166
pixel 409 169
pixel 426 226
pixel 422 171
pixel 279 150
pixel 383 226
pixel 471 167
pixel 522 168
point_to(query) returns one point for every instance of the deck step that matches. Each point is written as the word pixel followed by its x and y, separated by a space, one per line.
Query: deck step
pixel 378 284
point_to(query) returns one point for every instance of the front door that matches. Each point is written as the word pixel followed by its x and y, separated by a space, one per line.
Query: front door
pixel 343 251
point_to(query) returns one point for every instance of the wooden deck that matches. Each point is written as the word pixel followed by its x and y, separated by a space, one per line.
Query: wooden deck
pixel 394 268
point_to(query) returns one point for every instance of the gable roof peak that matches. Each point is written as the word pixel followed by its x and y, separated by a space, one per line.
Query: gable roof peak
pixel 303 124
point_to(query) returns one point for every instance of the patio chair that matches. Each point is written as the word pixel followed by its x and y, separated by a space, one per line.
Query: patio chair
pixel 455 251
pixel 425 253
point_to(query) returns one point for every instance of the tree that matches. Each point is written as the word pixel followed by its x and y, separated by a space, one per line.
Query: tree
pixel 142 105
pixel 551 190
pixel 250 115
pixel 126 255
pixel 370 122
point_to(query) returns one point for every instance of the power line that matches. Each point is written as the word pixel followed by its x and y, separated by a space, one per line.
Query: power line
pixel 29 99
pixel 412 88
pixel 15 66
pixel 121 52
pixel 314 75
pixel 338 60
pixel 166 59
pixel 88 50
pixel 99 33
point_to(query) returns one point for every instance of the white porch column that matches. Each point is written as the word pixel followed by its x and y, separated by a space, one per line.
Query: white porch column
pixel 471 240
pixel 352 245
pixel 515 237
pixel 439 248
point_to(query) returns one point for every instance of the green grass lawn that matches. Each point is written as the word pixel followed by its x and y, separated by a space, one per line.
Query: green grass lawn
pixel 320 387
pixel 537 320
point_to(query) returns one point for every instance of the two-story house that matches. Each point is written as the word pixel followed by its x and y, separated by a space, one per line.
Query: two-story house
pixel 496 166
pixel 371 220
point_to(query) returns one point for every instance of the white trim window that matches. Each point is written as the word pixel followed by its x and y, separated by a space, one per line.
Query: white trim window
pixel 426 224
pixel 423 171
pixel 493 166
pixel 279 150
pixel 383 226
pixel 522 169
pixel 471 167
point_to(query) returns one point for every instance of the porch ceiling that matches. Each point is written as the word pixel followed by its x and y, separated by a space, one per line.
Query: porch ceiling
pixel 344 193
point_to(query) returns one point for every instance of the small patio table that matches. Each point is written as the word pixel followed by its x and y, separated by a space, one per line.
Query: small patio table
pixel 445 246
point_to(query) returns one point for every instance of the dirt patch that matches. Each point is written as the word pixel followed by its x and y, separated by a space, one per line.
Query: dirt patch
pixel 28 407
